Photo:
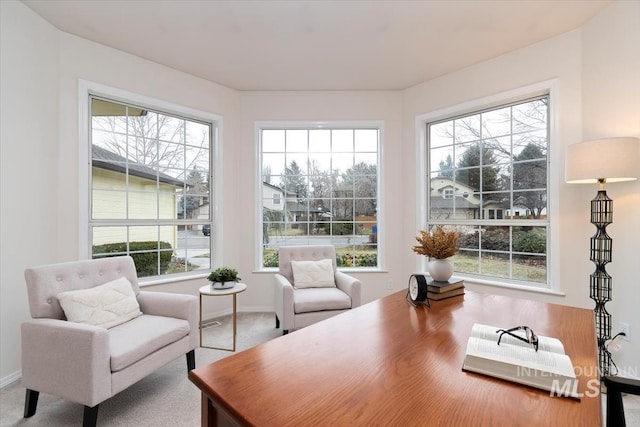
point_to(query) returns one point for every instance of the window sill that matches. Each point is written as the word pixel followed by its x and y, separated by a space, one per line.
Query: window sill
pixel 513 286
pixel 273 270
pixel 173 279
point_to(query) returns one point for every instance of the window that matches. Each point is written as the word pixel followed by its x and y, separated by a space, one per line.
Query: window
pixel 447 194
pixel 150 187
pixel 328 180
pixel 276 199
pixel 496 162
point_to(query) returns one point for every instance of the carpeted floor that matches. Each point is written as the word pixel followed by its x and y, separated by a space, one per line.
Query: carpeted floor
pixel 167 398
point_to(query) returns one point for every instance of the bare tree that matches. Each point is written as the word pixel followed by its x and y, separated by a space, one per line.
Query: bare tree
pixel 266 174
pixel 155 140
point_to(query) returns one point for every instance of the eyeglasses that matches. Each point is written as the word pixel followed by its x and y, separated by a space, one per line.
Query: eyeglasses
pixel 529 337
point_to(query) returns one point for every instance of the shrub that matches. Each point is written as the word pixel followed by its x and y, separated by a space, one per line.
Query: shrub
pixel 270 258
pixel 144 254
pixel 357 259
pixel 496 239
pixel 530 242
pixel 468 240
pixel 342 228
pixel 343 259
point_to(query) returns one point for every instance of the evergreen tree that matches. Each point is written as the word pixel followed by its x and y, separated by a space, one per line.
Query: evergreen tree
pixel 294 182
pixel 530 173
pixel 471 159
pixel 446 167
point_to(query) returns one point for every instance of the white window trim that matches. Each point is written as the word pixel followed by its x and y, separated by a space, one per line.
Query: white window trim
pixel 260 125
pixel 553 154
pixel 87 88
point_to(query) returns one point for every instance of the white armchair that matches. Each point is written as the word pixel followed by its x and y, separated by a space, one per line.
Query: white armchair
pixel 299 307
pixel 88 364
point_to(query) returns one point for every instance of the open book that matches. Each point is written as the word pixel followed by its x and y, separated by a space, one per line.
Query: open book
pixel 513 360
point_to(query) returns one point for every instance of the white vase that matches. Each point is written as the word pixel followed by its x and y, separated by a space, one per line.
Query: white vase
pixel 223 285
pixel 440 270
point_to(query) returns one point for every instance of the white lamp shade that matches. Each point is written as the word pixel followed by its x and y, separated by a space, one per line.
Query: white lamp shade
pixel 612 159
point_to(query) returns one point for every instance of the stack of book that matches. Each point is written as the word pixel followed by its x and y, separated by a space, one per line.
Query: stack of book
pixel 441 290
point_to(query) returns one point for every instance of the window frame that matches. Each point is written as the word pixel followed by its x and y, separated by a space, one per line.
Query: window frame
pixel 310 125
pixel 547 88
pixel 86 90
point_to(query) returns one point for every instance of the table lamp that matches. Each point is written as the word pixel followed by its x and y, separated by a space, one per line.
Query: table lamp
pixel 602 161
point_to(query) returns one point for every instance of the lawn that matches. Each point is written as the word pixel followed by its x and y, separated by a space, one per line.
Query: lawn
pixel 497 267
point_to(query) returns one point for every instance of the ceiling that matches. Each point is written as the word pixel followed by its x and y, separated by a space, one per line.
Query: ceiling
pixel 317 45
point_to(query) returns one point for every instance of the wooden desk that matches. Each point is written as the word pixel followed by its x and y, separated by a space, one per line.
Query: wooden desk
pixel 387 363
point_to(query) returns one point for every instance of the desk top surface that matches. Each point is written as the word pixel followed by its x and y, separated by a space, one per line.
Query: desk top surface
pixel 389 363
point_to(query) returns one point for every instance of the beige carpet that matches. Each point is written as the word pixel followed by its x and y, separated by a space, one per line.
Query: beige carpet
pixel 167 397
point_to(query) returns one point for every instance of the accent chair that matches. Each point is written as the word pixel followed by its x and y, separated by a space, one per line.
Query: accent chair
pixel 95 357
pixel 309 287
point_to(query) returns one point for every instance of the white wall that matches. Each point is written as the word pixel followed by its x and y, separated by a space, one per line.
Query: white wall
pixel 41 67
pixel 40 71
pixel 28 156
pixel 611 107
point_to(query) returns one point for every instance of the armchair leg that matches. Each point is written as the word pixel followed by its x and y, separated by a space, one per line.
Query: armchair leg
pixel 277 322
pixel 30 403
pixel 90 418
pixel 191 360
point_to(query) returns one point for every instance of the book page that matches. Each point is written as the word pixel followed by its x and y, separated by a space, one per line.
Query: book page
pixel 488 333
pixel 527 357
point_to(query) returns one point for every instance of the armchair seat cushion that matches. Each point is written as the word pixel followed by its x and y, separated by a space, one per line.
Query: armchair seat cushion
pixel 320 299
pixel 139 337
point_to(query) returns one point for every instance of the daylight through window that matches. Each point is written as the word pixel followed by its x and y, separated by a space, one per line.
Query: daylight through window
pixel 320 187
pixel 150 188
pixel 488 180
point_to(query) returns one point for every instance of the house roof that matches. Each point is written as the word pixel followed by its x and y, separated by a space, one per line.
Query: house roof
pixel 274 187
pixel 437 202
pixel 105 159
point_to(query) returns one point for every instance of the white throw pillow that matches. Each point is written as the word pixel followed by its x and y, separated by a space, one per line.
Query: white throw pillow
pixel 106 305
pixel 313 274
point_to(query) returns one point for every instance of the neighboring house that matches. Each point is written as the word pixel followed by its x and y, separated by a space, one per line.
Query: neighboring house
pixel 275 200
pixel 149 197
pixel 272 197
pixel 201 212
pixel 454 200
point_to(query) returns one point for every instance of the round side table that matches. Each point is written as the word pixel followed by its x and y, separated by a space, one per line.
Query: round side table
pixel 208 290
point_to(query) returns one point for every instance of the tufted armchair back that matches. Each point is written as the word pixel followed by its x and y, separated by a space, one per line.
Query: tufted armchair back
pixel 303 253
pixel 44 283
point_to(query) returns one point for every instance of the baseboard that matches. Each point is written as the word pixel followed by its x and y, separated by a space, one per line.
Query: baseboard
pixel 257 309
pixel 10 379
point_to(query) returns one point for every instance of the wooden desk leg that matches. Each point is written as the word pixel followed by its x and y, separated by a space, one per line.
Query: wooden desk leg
pixel 207 413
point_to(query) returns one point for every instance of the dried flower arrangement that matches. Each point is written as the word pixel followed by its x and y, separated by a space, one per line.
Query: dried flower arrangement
pixel 440 244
